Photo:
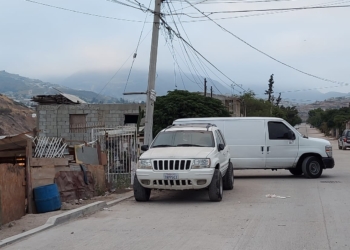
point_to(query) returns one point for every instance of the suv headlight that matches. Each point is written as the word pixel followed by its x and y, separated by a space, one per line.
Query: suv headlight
pixel 145 164
pixel 200 163
pixel 329 151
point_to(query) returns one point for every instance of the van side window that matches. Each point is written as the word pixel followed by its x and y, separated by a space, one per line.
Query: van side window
pixel 278 131
pixel 221 137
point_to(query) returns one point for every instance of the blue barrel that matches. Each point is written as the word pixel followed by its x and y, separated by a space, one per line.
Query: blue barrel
pixel 47 198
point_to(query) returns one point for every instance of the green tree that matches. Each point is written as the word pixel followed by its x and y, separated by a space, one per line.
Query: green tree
pixel 183 104
pixel 269 91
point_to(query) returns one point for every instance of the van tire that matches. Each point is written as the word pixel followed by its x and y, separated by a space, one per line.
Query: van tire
pixel 343 147
pixel 312 167
pixel 216 186
pixel 296 171
pixel 229 178
pixel 140 193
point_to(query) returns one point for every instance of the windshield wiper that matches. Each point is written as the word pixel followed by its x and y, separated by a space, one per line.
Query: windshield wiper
pixel 162 146
pixel 189 145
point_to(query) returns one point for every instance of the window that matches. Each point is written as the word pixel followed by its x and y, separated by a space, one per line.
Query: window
pixel 218 138
pixel 184 138
pixel 221 137
pixel 77 123
pixel 278 131
pixel 131 119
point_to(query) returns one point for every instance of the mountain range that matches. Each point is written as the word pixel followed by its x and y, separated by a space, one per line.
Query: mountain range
pixel 109 87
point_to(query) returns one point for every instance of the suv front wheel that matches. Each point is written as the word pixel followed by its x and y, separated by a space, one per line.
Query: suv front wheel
pixel 216 187
pixel 140 193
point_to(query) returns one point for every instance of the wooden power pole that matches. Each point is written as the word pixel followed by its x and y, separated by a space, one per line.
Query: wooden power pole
pixel 151 94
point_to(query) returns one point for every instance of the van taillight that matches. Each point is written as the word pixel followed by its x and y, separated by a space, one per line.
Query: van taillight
pixel 344 139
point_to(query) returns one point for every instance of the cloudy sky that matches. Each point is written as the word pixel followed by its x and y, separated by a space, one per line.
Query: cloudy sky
pixel 54 39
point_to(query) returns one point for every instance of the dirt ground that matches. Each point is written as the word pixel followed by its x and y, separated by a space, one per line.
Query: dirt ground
pixel 30 221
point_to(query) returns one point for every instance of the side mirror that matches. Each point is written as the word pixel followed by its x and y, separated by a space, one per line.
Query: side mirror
pixel 291 135
pixel 144 147
pixel 221 147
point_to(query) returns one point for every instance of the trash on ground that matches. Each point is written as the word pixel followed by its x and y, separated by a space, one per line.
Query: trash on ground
pixel 276 196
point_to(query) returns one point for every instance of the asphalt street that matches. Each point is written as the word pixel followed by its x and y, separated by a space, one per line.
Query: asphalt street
pixel 315 215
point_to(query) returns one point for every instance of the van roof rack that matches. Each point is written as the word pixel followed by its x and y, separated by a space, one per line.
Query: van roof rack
pixel 206 125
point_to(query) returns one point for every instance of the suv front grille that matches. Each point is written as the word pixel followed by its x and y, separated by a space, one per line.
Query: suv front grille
pixel 171 164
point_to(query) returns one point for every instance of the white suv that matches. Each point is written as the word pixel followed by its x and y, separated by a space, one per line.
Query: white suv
pixel 185 157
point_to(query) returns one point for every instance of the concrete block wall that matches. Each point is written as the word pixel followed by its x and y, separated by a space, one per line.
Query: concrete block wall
pixel 53 120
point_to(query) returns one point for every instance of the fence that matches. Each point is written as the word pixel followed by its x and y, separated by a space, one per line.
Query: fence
pixel 119 143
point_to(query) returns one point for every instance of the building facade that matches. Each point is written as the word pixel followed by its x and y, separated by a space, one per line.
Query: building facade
pixel 74 122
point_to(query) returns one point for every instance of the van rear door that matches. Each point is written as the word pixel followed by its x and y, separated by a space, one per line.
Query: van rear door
pixel 281 152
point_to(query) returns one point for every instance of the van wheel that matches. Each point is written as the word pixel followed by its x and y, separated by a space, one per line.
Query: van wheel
pixel 140 193
pixel 343 147
pixel 228 178
pixel 296 171
pixel 312 167
pixel 216 186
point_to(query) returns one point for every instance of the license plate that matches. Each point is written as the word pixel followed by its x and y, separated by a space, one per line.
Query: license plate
pixel 171 176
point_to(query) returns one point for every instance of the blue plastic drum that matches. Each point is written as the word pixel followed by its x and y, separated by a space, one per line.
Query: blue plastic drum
pixel 47 198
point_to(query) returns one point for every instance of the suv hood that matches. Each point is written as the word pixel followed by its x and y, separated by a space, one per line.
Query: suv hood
pixel 177 153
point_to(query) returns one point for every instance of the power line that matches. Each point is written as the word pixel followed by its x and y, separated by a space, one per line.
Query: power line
pixel 271 57
pixel 263 14
pixel 200 63
pixel 80 12
pixel 180 37
pixel 120 67
pixel 207 14
pixel 135 54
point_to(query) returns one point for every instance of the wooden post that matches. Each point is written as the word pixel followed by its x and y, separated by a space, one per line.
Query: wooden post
pixel 29 190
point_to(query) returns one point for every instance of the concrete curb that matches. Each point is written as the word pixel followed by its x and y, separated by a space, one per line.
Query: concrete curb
pixel 64 217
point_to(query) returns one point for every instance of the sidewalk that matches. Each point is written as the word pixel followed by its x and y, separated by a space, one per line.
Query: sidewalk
pixel 34 223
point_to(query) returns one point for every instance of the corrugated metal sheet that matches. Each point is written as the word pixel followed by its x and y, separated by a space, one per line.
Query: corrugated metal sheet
pixel 73 98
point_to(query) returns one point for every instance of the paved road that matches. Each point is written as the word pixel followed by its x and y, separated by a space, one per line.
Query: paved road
pixel 316 216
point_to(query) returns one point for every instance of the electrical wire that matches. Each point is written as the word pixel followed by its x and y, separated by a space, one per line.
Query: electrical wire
pixel 83 13
pixel 138 43
pixel 120 67
pixel 271 57
pixel 196 56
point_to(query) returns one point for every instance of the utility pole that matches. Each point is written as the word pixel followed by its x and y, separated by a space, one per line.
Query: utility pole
pixel 211 91
pixel 205 86
pixel 151 94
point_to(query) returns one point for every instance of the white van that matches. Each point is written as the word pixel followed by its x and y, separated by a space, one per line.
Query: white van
pixel 270 143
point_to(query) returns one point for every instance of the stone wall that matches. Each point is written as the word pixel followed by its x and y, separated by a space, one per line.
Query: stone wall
pixel 54 120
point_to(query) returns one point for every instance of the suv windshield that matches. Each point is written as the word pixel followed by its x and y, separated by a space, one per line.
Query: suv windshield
pixel 184 139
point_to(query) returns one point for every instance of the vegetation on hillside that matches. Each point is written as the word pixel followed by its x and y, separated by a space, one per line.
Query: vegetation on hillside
pixel 327 120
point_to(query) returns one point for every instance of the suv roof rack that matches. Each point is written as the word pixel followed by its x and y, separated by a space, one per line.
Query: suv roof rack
pixel 206 125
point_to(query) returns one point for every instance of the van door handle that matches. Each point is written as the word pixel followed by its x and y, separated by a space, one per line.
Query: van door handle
pixel 268 149
pixel 262 149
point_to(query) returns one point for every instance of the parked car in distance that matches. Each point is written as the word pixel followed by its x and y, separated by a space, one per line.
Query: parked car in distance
pixel 344 140
pixel 185 157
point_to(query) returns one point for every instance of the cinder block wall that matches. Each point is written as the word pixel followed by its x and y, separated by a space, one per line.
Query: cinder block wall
pixel 53 120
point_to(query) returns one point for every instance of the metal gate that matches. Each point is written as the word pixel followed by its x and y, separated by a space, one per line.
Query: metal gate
pixel 119 144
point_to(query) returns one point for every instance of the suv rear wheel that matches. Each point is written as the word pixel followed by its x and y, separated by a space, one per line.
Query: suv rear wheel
pixel 216 186
pixel 229 178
